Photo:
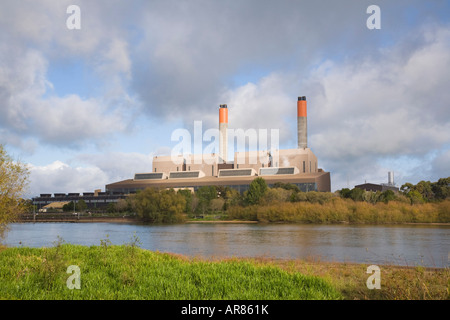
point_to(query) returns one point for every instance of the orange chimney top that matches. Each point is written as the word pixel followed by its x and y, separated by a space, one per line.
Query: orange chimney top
pixel 223 113
pixel 301 107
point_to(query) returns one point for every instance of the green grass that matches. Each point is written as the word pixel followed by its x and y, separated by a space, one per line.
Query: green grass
pixel 129 272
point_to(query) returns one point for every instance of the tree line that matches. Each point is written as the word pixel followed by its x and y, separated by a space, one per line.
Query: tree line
pixel 422 192
pixel 175 206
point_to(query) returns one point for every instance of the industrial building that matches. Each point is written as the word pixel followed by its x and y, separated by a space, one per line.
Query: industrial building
pixel 298 166
pixel 390 185
pixel 94 200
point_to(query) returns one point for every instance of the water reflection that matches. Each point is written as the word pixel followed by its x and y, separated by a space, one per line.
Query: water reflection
pixel 402 245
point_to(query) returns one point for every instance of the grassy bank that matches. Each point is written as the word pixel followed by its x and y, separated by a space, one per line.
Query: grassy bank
pixel 128 272
pixel 397 282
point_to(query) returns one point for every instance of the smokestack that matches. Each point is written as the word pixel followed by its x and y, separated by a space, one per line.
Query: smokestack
pixel 223 127
pixel 302 125
pixel 390 178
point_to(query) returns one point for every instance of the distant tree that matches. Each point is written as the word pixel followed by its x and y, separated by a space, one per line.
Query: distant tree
pixel 387 195
pixel 345 193
pixel 159 205
pixel 286 186
pixel 407 187
pixel 357 194
pixel 232 197
pixel 415 197
pixel 277 195
pixel 29 206
pixel 256 191
pixel 217 204
pixel 441 188
pixel 81 205
pixel 298 196
pixel 429 191
pixel 146 202
pixel 123 205
pixel 318 197
pixel 189 197
pixel 424 188
pixel 205 195
pixel 171 205
pixel 372 196
pixel 69 206
pixel 111 208
pixel 222 191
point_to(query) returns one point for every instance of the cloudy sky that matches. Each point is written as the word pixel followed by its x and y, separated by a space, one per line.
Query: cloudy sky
pixel 90 106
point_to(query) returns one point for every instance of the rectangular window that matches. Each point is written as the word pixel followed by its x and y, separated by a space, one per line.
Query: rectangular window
pixel 304 169
pixel 310 167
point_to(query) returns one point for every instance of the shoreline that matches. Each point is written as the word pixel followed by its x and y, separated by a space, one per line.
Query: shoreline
pixel 221 221
pixel 84 219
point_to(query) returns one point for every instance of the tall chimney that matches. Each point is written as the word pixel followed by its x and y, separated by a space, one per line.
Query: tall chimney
pixel 223 127
pixel 390 178
pixel 302 125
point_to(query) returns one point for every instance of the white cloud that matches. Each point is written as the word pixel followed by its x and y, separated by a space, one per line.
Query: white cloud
pixel 35 37
pixel 92 171
pixel 119 165
pixel 60 177
pixel 441 165
pixel 380 108
pixel 28 113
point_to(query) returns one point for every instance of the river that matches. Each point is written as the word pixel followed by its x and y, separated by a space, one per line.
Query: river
pixel 406 245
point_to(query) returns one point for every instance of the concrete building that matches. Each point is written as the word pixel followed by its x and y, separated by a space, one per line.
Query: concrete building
pixel 297 166
pixel 93 200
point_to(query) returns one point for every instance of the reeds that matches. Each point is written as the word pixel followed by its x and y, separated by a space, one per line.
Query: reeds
pixel 338 210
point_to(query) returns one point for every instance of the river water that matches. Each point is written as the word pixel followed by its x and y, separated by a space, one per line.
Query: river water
pixel 407 245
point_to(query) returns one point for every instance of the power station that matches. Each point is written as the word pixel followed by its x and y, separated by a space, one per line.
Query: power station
pixel 297 166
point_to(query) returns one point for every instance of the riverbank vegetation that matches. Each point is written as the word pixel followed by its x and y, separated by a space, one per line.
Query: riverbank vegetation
pixel 422 203
pixel 127 272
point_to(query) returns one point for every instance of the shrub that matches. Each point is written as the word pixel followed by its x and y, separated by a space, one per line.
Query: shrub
pixel 159 206
pixel 256 191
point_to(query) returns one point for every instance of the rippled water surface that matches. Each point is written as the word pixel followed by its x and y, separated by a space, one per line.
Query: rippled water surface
pixel 402 245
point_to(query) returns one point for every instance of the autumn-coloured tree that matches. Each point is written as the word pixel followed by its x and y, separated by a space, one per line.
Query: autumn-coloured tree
pixel 13 181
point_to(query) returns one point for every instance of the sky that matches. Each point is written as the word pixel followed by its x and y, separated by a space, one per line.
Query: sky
pixel 84 107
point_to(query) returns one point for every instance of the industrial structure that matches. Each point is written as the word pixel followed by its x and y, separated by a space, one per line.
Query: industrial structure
pixel 94 200
pixel 390 185
pixel 297 166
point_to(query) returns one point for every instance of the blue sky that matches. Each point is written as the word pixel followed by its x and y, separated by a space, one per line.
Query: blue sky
pixel 88 107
